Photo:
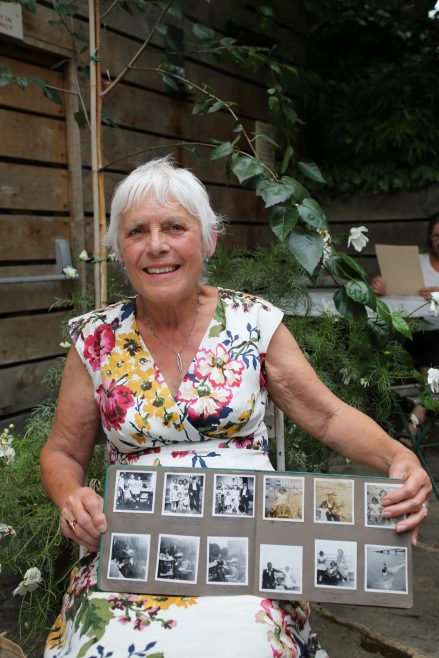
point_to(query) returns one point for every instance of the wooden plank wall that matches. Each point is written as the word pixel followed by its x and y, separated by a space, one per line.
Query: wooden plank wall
pixel 40 197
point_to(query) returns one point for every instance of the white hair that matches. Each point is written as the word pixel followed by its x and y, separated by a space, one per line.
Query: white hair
pixel 167 184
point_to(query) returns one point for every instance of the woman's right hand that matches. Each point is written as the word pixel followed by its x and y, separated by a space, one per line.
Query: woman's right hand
pixel 379 285
pixel 83 519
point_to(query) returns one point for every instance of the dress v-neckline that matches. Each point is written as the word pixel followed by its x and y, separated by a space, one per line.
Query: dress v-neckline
pixel 145 348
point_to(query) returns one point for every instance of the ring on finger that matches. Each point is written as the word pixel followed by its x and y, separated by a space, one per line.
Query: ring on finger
pixel 72 524
pixel 425 507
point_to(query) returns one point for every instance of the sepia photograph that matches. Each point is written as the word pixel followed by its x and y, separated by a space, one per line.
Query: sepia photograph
pixel 129 556
pixel 227 562
pixel 385 569
pixel 280 568
pixel 183 494
pixel 283 498
pixel 177 558
pixel 335 564
pixel 134 491
pixel 374 493
pixel 234 495
pixel 333 501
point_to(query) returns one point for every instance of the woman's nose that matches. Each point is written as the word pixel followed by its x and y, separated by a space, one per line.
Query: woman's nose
pixel 157 242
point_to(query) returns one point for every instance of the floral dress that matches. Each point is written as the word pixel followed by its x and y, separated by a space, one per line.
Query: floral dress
pixel 216 420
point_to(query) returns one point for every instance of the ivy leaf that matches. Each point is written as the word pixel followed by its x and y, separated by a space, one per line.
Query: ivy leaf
pixel 312 213
pixel 203 31
pixel 358 291
pixel 297 190
pixel 312 171
pixel 246 167
pixel 274 193
pixel 65 9
pixel 400 325
pixel 348 308
pixel 307 248
pixel 283 220
pixel 226 148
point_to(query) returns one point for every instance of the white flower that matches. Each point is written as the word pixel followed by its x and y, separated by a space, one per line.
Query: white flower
pixel 6 530
pixel 32 578
pixel 414 420
pixel 364 382
pixel 83 255
pixel 356 237
pixel 433 379
pixel 434 305
pixel 65 345
pixel 112 258
pixel 6 449
pixel 70 272
pixel 346 375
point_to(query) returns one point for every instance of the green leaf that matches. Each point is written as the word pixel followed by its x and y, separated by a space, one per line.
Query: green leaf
pixel 348 308
pixel 201 106
pixel 358 291
pixel 291 114
pixel 221 151
pixel 382 311
pixel 60 64
pixel 53 95
pixel 346 267
pixel 311 213
pixel 307 248
pixel 203 31
pixel 106 118
pixel 162 29
pixel 29 5
pixel 94 57
pixel 216 107
pixel 81 37
pixel 400 325
pixel 216 330
pixel 6 76
pixel 80 118
pixel 289 152
pixel 237 127
pixel 266 138
pixel 312 171
pixel 297 190
pixel 170 82
pixel 246 167
pixel 274 193
pixel 283 220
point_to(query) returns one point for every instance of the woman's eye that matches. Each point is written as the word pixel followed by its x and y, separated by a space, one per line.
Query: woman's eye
pixel 175 228
pixel 135 231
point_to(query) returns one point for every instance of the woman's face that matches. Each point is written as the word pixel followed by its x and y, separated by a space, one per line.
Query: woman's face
pixel 162 250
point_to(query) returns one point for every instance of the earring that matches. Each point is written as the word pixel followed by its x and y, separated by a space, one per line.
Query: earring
pixel 206 260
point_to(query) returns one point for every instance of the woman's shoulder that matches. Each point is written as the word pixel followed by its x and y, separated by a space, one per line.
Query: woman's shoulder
pixel 237 300
pixel 113 315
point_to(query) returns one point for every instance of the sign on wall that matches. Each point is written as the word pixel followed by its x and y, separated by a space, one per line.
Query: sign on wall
pixel 11 19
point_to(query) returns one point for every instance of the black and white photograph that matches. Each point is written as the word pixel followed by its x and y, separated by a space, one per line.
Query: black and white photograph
pixel 134 491
pixel 227 562
pixel 283 498
pixel 177 558
pixel 385 569
pixel 335 564
pixel 280 568
pixel 183 494
pixel 333 501
pixel 129 556
pixel 234 495
pixel 374 494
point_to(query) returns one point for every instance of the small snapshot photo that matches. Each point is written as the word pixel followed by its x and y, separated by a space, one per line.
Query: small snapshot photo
pixel 227 562
pixel 335 564
pixel 129 556
pixel 386 569
pixel 280 568
pixel 283 498
pixel 333 501
pixel 134 491
pixel 183 494
pixel 234 495
pixel 374 494
pixel 177 558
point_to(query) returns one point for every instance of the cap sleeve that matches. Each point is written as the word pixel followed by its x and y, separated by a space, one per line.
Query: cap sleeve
pixel 269 318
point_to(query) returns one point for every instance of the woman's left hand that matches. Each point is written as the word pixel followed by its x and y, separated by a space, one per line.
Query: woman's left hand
pixel 426 292
pixel 412 498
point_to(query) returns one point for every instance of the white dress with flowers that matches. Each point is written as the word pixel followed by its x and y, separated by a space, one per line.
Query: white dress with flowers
pixel 216 420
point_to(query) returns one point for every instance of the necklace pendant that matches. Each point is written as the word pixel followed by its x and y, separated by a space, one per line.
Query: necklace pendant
pixel 179 361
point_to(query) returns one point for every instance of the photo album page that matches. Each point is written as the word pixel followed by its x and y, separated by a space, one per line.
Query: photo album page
pixel 281 535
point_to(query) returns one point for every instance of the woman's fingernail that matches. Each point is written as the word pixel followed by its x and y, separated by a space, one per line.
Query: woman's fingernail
pixel 385 514
pixel 401 528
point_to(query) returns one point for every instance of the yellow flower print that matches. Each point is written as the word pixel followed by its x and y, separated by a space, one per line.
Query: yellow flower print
pixel 165 602
pixel 129 343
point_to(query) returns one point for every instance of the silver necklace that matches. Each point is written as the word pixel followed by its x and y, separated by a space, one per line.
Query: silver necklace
pixel 179 352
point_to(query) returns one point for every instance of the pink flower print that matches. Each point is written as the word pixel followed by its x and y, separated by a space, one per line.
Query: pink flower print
pixel 113 402
pixel 98 345
pixel 141 623
pixel 281 641
pixel 181 453
pixel 124 619
pixel 201 401
pixel 219 368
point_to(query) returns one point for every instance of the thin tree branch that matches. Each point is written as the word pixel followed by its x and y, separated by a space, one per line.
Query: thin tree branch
pixel 123 73
pixel 156 148
pixel 109 9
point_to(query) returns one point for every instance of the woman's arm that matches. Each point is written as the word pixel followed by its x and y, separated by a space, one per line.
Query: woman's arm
pixel 295 388
pixel 67 453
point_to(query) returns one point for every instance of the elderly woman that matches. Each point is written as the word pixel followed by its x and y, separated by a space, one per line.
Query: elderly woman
pixel 179 375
